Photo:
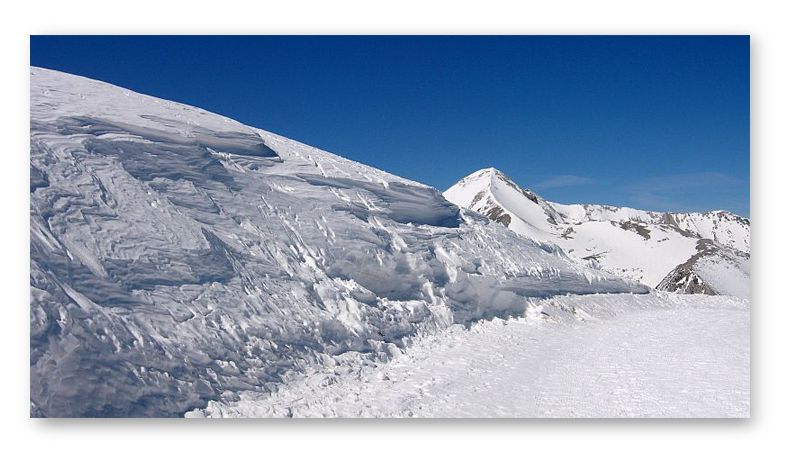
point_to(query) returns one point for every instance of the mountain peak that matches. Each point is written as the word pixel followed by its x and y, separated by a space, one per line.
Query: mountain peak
pixel 484 178
pixel 496 195
pixel 486 172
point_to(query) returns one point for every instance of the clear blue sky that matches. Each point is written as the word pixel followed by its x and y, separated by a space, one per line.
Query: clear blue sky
pixel 650 122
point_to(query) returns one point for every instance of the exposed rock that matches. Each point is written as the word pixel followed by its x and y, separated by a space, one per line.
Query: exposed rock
pixel 641 229
pixel 684 280
pixel 498 215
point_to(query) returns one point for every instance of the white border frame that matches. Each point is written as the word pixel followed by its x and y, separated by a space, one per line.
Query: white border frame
pixel 390 439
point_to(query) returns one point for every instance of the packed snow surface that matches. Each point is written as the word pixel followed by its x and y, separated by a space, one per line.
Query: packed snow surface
pixel 178 256
pixel 577 356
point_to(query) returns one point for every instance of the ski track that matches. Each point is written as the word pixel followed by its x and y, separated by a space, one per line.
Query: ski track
pixel 659 356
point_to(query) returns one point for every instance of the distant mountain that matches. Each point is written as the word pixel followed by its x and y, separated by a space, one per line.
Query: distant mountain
pixel 178 256
pixel 681 252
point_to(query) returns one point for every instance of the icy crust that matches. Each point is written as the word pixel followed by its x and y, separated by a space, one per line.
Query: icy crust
pixel 656 355
pixel 177 255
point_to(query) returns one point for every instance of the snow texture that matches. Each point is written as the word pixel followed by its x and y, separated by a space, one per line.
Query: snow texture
pixel 574 356
pixel 178 256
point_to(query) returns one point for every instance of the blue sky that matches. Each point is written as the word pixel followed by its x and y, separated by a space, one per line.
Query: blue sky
pixel 650 122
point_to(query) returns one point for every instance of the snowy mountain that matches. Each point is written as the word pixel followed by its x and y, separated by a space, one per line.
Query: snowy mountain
pixel 681 252
pixel 180 257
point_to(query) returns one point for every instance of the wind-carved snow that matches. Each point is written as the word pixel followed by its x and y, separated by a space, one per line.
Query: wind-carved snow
pixel 571 356
pixel 650 247
pixel 178 256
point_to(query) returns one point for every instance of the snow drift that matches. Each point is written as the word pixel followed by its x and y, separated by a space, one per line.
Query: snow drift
pixel 178 256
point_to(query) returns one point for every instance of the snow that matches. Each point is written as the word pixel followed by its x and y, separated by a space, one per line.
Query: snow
pixel 178 255
pixel 487 189
pixel 627 253
pixel 722 271
pixel 182 262
pixel 721 226
pixel 574 356
pixel 640 245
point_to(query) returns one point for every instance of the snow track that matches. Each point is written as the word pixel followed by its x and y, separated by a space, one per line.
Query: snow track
pixel 574 356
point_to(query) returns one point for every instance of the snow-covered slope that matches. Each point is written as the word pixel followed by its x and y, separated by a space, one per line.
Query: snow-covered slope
pixel 178 256
pixel 663 250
